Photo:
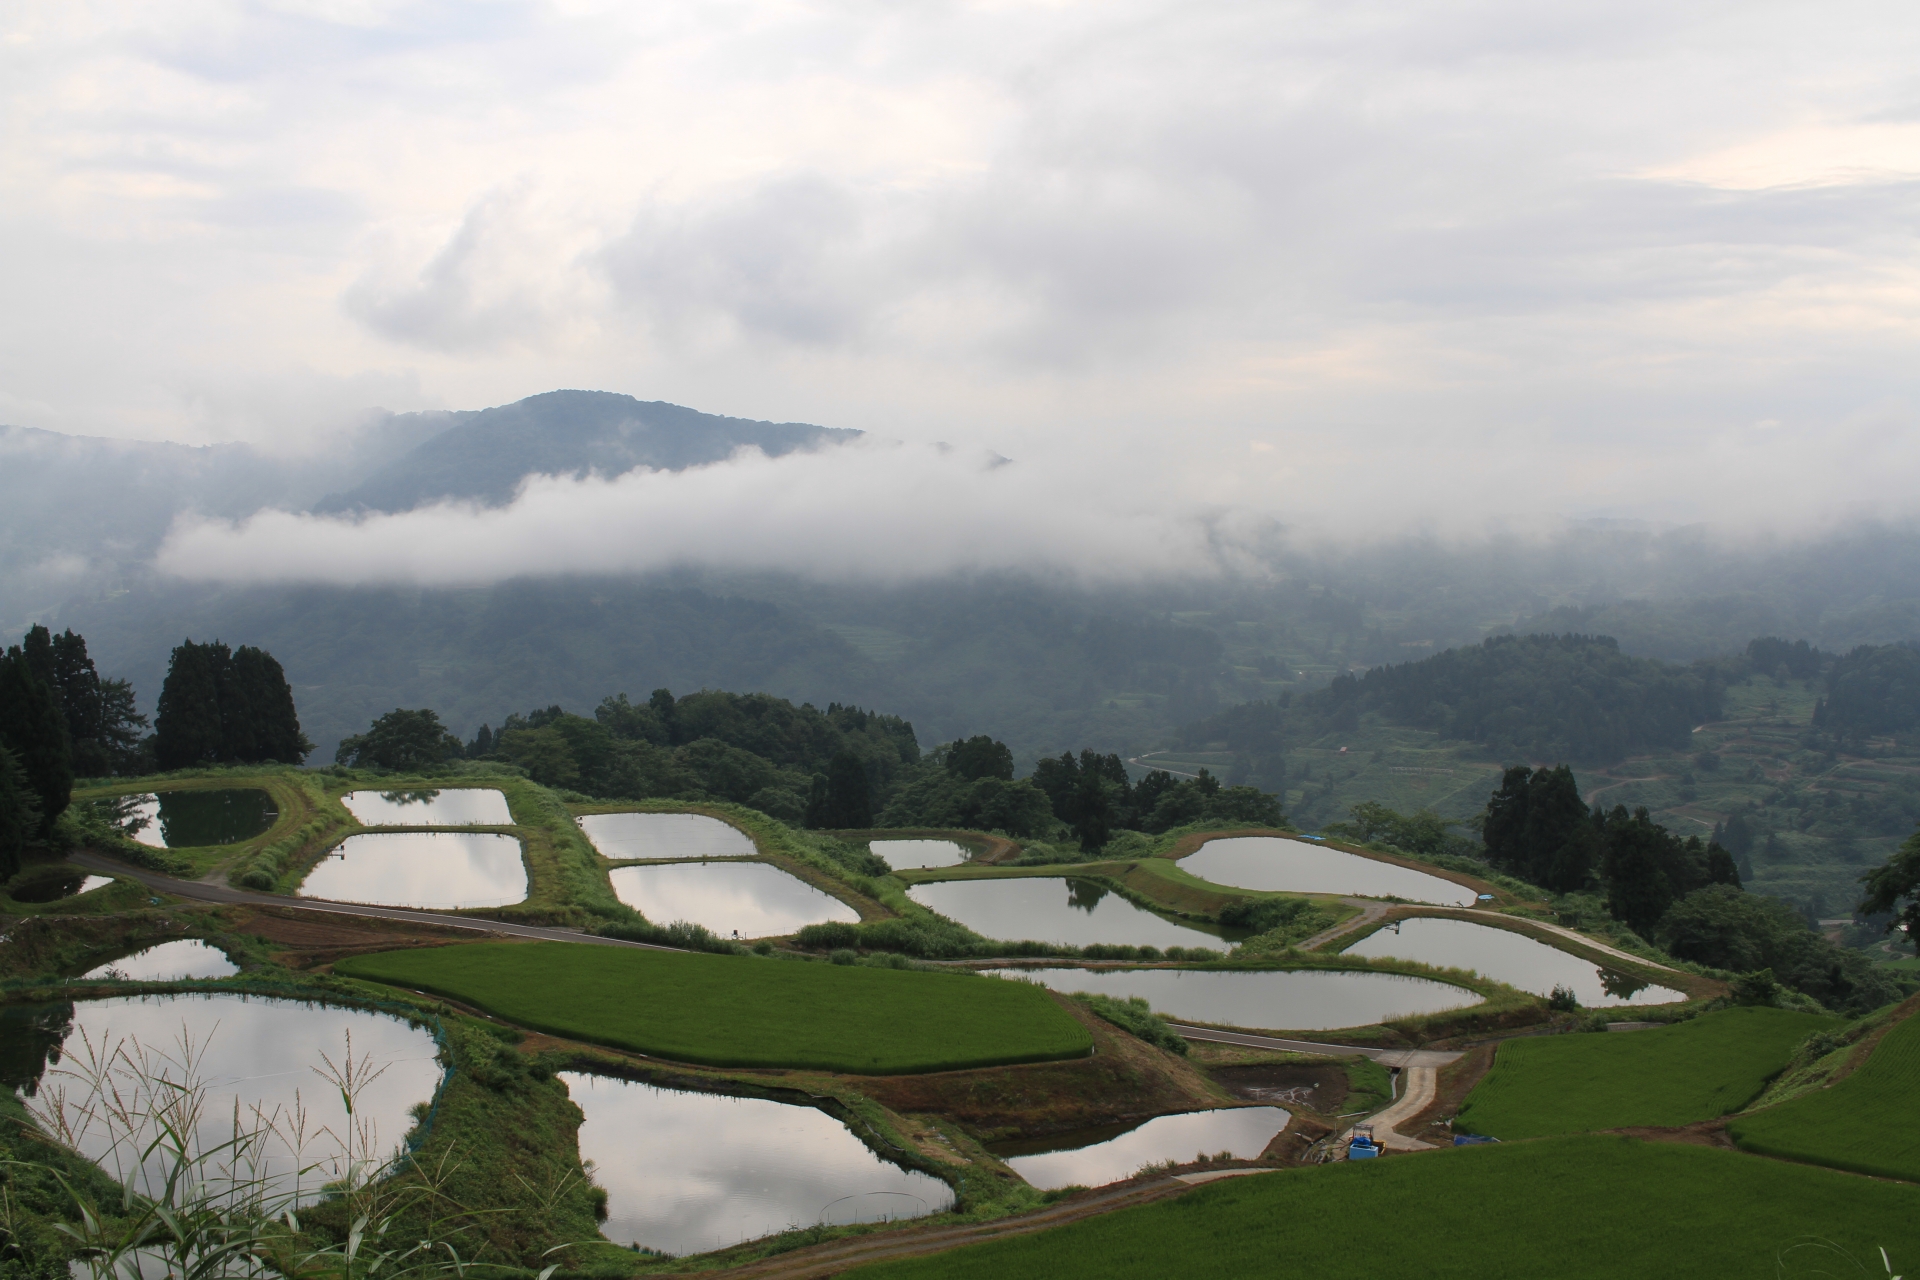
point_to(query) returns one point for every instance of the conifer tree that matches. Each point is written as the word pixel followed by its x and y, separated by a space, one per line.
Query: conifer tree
pixel 220 705
pixel 33 729
pixel 19 813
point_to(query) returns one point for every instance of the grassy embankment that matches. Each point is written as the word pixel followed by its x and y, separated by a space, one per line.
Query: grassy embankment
pixel 1691 1071
pixel 743 1011
pixel 1866 1122
pixel 1566 1207
pixel 309 820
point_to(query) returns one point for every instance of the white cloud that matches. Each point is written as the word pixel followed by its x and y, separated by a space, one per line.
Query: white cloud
pixel 1406 246
pixel 862 511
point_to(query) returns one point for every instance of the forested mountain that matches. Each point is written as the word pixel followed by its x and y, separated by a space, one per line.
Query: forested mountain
pixel 483 455
pixel 1551 698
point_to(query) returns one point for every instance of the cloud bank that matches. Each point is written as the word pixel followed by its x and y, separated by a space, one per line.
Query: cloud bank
pixel 866 511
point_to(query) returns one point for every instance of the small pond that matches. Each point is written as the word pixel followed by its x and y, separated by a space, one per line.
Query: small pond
pixel 169 962
pixel 1270 1000
pixel 256 1052
pixel 1095 1157
pixel 690 1172
pixel 665 835
pixel 52 881
pixel 1294 866
pixel 1070 912
pixel 454 807
pixel 192 819
pixel 905 855
pixel 431 870
pixel 1509 957
pixel 751 898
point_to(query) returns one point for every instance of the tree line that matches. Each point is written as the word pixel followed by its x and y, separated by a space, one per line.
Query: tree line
pixel 1683 894
pixel 60 719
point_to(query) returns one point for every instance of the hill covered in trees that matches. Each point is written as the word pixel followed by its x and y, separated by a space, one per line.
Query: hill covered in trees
pixel 1575 698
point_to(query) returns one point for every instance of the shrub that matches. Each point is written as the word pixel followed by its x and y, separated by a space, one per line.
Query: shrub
pixel 1563 1000
pixel 1136 1017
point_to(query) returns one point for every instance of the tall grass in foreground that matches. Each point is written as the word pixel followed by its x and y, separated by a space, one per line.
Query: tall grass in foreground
pixel 205 1197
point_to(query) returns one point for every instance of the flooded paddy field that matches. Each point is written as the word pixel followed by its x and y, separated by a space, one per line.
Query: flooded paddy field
pixel 754 899
pixel 1509 957
pixel 169 962
pixel 908 855
pixel 1271 1000
pixel 254 1052
pixel 1277 865
pixel 429 870
pixel 192 819
pixel 665 835
pixel 453 807
pixel 690 1172
pixel 1068 911
pixel 1093 1158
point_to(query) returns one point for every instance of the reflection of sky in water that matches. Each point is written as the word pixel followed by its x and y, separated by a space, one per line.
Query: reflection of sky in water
pixel 453 807
pixel 90 883
pixel 1074 913
pixel 432 870
pixel 904 855
pixel 1271 1000
pixel 1275 865
pixel 665 835
pixel 758 900
pixel 1244 1131
pixel 690 1172
pixel 170 962
pixel 1508 957
pixel 261 1052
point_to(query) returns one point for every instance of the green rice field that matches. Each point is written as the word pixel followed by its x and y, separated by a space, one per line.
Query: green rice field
pixel 1869 1122
pixel 1593 1206
pixel 1710 1066
pixel 743 1011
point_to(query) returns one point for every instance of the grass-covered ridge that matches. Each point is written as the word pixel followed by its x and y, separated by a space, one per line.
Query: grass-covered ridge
pixel 1868 1122
pixel 1697 1070
pixel 1567 1208
pixel 744 1011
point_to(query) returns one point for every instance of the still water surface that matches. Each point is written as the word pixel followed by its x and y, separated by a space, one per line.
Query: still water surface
pixel 1296 866
pixel 256 1052
pixel 665 835
pixel 432 870
pixel 193 819
pixel 904 855
pixel 455 807
pixel 1289 1000
pixel 752 898
pixel 1244 1131
pixel 1509 957
pixel 1071 912
pixel 169 962
pixel 690 1172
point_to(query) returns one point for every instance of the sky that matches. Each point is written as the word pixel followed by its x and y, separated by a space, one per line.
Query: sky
pixel 1351 266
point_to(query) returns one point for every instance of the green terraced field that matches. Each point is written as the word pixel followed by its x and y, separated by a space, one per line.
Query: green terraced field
pixel 1869 1122
pixel 743 1011
pixel 1596 1206
pixel 1710 1066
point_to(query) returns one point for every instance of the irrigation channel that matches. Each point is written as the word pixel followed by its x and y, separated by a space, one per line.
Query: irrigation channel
pixel 715 1170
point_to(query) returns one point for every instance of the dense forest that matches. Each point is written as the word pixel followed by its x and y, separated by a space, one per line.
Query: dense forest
pixel 1574 697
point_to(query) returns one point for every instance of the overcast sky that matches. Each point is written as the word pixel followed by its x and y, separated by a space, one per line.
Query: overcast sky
pixel 1371 262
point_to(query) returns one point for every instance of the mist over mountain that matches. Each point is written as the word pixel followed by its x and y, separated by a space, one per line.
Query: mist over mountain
pixel 1081 626
pixel 483 455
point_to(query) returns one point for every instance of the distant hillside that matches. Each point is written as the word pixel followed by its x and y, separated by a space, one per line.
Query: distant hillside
pixel 484 454
pixel 1545 698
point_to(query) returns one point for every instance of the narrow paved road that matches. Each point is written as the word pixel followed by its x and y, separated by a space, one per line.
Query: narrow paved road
pixel 1419 1085
pixel 203 892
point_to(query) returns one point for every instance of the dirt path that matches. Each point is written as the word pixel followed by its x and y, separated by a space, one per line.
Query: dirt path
pixel 203 892
pixel 1418 1085
pixel 1428 1058
pixel 1370 912
pixel 1580 938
